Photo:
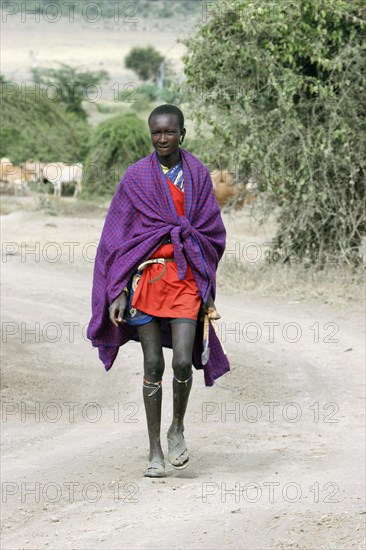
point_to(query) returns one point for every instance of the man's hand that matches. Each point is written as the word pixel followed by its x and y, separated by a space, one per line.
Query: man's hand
pixel 117 309
pixel 209 308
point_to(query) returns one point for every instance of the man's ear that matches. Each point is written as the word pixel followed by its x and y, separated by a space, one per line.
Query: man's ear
pixel 182 135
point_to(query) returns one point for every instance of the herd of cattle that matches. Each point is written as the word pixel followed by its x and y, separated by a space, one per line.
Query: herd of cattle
pixel 15 180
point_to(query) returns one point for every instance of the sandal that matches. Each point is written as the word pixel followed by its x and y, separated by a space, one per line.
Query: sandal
pixel 178 450
pixel 155 469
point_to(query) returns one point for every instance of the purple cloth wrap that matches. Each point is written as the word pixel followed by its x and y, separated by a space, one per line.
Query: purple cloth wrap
pixel 141 214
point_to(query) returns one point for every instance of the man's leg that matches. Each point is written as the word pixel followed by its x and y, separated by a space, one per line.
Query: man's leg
pixel 183 334
pixel 150 338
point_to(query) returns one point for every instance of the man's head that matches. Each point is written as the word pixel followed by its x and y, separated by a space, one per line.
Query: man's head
pixel 166 124
pixel 168 110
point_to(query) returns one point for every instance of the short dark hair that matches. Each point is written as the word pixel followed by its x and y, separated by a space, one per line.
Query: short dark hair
pixel 168 110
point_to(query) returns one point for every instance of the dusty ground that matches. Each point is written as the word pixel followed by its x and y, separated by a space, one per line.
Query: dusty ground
pixel 276 447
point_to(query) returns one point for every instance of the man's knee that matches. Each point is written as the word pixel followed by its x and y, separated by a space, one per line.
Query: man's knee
pixel 154 367
pixel 182 368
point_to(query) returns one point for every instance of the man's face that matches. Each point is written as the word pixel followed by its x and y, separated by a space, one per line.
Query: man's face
pixel 165 134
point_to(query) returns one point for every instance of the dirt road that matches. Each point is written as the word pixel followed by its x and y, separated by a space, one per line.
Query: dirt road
pixel 276 446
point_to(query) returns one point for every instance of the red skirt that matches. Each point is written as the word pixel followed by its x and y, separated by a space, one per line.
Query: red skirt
pixel 168 296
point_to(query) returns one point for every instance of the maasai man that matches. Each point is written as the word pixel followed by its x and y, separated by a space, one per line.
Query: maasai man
pixel 155 276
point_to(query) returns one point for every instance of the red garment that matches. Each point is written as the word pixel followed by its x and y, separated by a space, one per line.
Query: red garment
pixel 168 297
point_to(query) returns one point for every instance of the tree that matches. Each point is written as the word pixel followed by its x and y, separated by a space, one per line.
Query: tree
pixel 36 128
pixel 282 88
pixel 144 61
pixel 114 145
pixel 69 86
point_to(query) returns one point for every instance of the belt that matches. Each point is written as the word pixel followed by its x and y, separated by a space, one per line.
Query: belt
pixel 161 261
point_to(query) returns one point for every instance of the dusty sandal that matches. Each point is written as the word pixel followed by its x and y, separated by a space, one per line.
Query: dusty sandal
pixel 178 454
pixel 155 469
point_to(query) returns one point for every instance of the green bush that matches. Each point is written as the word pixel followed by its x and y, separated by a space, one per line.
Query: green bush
pixel 70 85
pixel 144 61
pixel 114 145
pixel 281 87
pixel 148 91
pixel 35 128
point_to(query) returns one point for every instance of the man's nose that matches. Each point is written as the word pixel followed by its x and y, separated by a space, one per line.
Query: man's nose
pixel 162 138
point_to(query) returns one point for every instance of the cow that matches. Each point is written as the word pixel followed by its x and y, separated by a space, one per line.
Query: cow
pixel 227 192
pixel 223 186
pixel 59 173
pixel 13 178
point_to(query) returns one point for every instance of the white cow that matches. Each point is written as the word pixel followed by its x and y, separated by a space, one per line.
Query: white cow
pixel 59 173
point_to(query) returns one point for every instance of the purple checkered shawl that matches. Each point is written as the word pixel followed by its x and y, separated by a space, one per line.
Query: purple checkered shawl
pixel 141 214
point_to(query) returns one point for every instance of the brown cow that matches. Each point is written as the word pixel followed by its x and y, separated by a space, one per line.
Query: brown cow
pixel 226 191
pixel 223 185
pixel 14 178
